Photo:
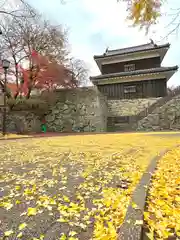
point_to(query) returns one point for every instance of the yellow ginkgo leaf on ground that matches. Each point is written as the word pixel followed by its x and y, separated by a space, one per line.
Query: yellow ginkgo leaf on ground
pixel 41 237
pixel 18 201
pixel 63 237
pixel 19 235
pixel 22 226
pixel 134 205
pixel 6 205
pixel 91 157
pixel 72 233
pixel 62 220
pixel 17 187
pixel 177 199
pixel 146 215
pixel 150 235
pixel 31 212
pixel 162 214
pixel 66 199
pixel 177 181
pixel 52 202
pixel 8 233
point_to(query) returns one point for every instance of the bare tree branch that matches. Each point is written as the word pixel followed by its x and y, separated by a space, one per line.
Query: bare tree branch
pixel 80 71
pixel 25 11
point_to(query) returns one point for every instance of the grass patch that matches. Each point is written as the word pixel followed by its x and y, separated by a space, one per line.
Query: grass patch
pixel 74 187
pixel 163 205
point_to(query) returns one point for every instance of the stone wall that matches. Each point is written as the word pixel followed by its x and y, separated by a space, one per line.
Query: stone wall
pixel 86 109
pixel 21 122
pixel 83 109
pixel 129 107
pixel 166 117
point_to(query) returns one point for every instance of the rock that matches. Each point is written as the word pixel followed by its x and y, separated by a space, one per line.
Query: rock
pixel 65 107
pixel 50 118
pixel 55 111
pixel 163 118
pixel 67 111
pixel 127 107
pixel 58 122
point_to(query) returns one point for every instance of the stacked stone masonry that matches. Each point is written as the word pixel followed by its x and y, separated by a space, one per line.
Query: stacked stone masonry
pixel 166 117
pixel 129 107
pixel 87 110
pixel 82 109
pixel 21 122
pixel 78 110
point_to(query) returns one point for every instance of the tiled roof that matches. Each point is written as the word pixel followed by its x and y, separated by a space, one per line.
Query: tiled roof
pixel 136 72
pixel 139 48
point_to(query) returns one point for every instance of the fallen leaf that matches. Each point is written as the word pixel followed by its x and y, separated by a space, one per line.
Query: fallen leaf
pixel 150 235
pixel 63 237
pixel 72 233
pixel 19 235
pixel 31 212
pixel 61 220
pixel 22 226
pixel 8 233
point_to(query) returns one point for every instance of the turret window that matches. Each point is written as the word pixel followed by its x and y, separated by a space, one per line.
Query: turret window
pixel 129 89
pixel 129 67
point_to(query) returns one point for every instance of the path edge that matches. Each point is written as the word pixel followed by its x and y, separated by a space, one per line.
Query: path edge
pixel 129 230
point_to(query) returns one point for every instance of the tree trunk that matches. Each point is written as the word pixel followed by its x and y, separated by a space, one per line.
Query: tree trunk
pixel 29 93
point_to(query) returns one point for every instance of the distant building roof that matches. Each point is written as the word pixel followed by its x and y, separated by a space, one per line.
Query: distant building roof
pixel 139 48
pixel 136 72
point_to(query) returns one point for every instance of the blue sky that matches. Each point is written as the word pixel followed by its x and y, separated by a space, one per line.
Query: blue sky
pixel 95 24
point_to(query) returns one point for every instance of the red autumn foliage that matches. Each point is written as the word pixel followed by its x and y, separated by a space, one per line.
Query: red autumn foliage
pixel 45 75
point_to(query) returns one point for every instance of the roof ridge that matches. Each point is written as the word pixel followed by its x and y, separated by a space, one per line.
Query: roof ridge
pixel 142 45
pixel 175 68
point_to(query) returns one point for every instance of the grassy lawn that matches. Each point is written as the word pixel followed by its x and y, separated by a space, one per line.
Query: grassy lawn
pixel 74 187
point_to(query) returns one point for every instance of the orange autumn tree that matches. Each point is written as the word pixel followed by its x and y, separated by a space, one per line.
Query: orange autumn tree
pixel 45 75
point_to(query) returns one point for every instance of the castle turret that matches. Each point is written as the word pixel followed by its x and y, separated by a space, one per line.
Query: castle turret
pixel 133 72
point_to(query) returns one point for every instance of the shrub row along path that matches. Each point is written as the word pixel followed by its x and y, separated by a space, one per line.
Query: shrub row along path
pixel 72 187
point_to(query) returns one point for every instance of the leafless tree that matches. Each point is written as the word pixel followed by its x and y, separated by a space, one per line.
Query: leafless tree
pixel 9 39
pixel 174 24
pixel 80 71
pixel 23 35
pixel 20 8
